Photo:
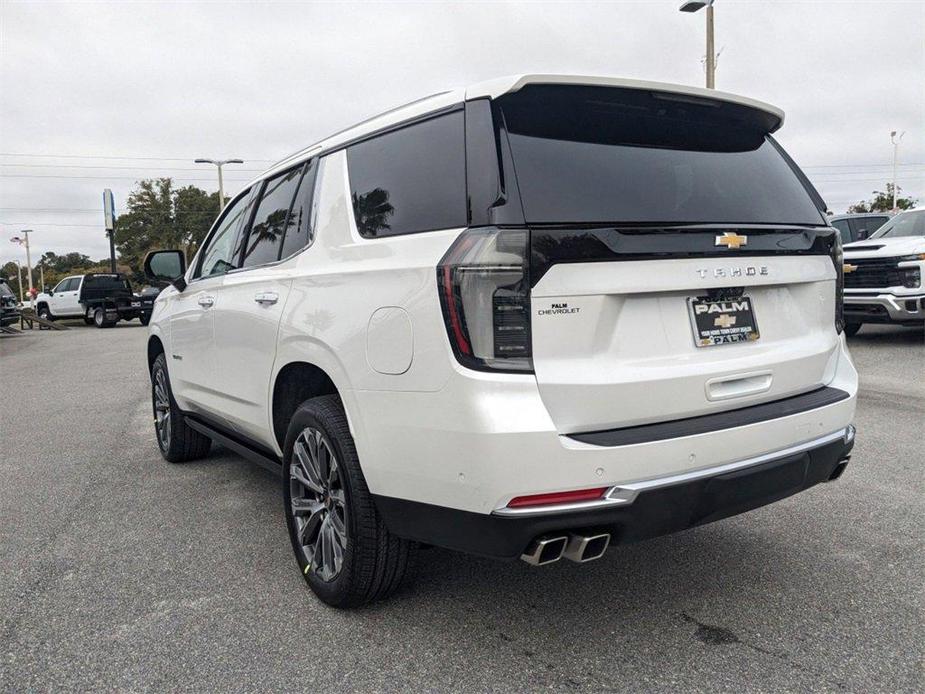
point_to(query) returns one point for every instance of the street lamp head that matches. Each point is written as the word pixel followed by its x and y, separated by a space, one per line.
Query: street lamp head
pixel 694 5
pixel 234 161
pixel 203 161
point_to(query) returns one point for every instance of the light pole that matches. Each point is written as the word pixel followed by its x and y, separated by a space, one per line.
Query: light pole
pixel 221 186
pixel 19 280
pixel 895 142
pixel 24 241
pixel 694 6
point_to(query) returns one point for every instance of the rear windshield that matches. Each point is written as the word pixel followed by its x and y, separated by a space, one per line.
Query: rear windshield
pixel 905 224
pixel 605 155
pixel 106 282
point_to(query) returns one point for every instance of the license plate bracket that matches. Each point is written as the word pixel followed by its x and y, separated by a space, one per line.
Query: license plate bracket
pixel 722 321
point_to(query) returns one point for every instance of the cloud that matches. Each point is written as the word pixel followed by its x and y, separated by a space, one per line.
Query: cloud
pixel 261 80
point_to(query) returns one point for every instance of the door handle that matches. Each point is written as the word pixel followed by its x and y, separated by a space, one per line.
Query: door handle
pixel 206 301
pixel 266 298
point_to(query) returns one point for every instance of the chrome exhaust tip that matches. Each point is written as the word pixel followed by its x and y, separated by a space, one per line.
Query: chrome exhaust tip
pixel 583 548
pixel 839 469
pixel 545 550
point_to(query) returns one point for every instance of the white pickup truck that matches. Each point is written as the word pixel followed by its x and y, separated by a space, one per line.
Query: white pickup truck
pixel 883 274
pixel 100 298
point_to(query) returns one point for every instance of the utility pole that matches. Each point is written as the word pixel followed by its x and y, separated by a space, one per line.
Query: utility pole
pixel 710 63
pixel 895 142
pixel 19 280
pixel 219 163
pixel 24 241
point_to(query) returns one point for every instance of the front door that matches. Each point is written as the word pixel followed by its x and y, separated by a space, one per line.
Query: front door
pixel 64 298
pixel 193 354
pixel 191 362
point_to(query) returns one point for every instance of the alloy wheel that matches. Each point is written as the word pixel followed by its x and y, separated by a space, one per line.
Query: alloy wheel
pixel 162 409
pixel 318 504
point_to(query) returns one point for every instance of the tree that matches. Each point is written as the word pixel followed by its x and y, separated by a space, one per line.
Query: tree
pixel 160 216
pixel 883 201
pixel 373 211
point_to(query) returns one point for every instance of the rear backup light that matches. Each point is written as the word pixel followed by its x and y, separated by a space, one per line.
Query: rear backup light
pixel 485 296
pixel 557 498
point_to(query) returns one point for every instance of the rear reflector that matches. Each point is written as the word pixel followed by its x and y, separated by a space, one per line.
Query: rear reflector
pixel 557 498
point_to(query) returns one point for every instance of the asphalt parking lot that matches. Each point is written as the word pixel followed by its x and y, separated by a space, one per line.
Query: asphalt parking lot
pixel 121 571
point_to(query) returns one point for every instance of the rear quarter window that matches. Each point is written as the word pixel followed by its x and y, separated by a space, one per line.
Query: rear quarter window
pixel 410 180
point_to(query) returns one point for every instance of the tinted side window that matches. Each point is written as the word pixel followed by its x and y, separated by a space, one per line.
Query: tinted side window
pixel 221 253
pixel 266 236
pixel 865 226
pixel 410 180
pixel 842 226
pixel 300 225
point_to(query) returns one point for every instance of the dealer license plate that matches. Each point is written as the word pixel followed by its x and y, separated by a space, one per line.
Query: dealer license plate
pixel 722 322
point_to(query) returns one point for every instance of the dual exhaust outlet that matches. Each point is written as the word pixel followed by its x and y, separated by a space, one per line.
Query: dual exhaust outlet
pixel 577 547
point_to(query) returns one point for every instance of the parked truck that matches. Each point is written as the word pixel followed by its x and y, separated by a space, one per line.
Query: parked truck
pixel 100 298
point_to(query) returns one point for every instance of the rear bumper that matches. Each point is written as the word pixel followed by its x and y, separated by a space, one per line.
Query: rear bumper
pixel 630 512
pixel 884 308
pixel 485 439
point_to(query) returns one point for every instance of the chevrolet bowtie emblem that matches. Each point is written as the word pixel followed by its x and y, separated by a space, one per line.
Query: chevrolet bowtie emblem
pixel 724 321
pixel 848 267
pixel 730 239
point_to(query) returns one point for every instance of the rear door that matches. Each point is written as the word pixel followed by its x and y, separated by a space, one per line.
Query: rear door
pixel 250 302
pixel 679 266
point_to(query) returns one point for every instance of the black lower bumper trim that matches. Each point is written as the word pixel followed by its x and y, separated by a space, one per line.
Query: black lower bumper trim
pixel 717 421
pixel 654 512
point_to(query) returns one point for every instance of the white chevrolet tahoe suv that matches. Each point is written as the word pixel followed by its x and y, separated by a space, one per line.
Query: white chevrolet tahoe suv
pixel 527 319
pixel 884 274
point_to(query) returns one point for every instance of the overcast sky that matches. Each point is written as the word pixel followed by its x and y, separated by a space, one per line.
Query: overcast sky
pixel 108 93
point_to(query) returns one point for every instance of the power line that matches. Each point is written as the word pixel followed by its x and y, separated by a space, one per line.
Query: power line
pixel 101 156
pixel 859 166
pixel 109 178
pixel 130 168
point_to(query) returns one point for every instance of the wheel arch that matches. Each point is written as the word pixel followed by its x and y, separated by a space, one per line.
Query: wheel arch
pixel 155 347
pixel 295 383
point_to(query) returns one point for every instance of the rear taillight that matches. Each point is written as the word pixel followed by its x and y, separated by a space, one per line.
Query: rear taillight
pixel 838 259
pixel 485 296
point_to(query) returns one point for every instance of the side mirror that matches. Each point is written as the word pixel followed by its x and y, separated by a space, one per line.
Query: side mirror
pixel 166 267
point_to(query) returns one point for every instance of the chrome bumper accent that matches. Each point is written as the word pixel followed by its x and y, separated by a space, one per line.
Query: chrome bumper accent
pixel 625 494
pixel 894 304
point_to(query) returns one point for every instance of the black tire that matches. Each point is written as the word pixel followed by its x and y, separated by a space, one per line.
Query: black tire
pixel 145 318
pixel 851 329
pixel 375 563
pixel 88 320
pixel 101 321
pixel 45 313
pixel 177 442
